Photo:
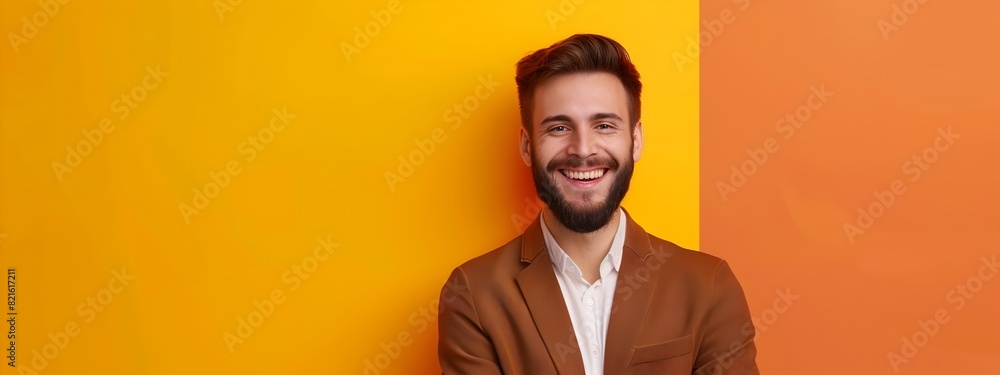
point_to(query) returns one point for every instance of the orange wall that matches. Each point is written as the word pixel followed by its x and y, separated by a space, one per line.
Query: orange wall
pixel 243 176
pixel 901 288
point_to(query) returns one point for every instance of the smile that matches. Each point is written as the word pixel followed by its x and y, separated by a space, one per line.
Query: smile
pixel 585 177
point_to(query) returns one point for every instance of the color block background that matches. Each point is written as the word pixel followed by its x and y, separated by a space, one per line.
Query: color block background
pixel 338 268
pixel 252 134
pixel 906 290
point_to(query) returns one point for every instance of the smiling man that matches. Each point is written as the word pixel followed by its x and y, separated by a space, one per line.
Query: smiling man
pixel 585 290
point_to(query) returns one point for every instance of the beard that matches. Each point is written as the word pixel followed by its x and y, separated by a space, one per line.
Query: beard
pixel 590 217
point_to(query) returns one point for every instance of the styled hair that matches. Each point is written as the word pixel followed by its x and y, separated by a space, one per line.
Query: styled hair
pixel 578 53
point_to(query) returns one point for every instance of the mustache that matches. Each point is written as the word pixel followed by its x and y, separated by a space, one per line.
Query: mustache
pixel 578 162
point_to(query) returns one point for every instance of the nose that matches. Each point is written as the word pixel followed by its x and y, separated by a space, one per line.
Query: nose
pixel 583 144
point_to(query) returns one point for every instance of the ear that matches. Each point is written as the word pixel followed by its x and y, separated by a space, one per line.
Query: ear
pixel 525 147
pixel 637 141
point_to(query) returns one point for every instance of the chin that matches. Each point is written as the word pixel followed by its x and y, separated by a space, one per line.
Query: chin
pixel 587 208
pixel 587 205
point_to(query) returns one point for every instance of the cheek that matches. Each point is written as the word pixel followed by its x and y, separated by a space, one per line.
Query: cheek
pixel 621 152
pixel 544 153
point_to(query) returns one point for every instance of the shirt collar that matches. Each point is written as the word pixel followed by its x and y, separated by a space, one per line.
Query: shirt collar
pixel 561 261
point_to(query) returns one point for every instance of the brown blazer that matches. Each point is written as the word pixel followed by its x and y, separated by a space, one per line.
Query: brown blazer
pixel 675 311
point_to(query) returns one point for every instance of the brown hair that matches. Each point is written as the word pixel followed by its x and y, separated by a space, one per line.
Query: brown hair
pixel 578 53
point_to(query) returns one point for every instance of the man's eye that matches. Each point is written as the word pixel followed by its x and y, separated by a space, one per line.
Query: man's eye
pixel 604 126
pixel 558 128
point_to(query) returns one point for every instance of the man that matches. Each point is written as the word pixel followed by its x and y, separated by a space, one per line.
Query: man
pixel 585 290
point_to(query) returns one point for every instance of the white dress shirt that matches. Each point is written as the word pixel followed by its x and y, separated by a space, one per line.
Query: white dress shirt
pixel 589 305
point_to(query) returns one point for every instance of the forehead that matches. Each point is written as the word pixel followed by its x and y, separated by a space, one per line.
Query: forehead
pixel 578 95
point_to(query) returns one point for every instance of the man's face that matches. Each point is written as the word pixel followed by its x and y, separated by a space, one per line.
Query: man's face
pixel 581 149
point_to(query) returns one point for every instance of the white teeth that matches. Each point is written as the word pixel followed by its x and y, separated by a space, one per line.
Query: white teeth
pixel 589 175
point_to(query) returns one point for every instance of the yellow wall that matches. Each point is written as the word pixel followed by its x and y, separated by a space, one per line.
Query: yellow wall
pixel 261 97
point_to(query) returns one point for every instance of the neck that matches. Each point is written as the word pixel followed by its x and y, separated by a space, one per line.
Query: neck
pixel 586 249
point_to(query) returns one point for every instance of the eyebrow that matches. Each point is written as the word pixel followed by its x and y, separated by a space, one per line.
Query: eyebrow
pixel 595 117
pixel 605 116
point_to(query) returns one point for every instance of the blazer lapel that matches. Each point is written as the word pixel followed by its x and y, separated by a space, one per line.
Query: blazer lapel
pixel 545 301
pixel 631 302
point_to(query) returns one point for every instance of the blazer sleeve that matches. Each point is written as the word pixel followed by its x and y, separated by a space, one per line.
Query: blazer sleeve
pixel 727 346
pixel 464 348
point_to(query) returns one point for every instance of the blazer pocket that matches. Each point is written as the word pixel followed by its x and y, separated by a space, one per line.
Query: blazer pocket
pixel 661 351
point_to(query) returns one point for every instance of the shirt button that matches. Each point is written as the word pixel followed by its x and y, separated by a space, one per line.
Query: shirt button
pixel 590 302
pixel 595 353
